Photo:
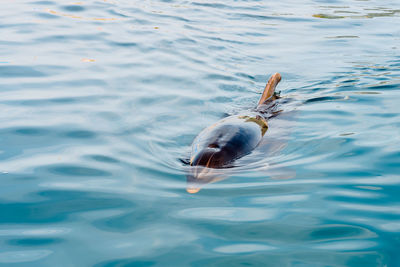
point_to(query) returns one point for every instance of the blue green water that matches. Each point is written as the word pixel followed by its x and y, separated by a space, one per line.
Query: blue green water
pixel 100 101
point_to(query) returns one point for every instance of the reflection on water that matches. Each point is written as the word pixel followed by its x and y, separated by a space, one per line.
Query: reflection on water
pixel 358 12
pixel 73 8
pixel 102 99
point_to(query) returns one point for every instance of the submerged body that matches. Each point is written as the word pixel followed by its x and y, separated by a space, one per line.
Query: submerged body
pixel 225 141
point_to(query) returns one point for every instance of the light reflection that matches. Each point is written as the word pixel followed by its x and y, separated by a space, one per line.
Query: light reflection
pixel 364 13
pixel 392 226
pixel 24 255
pixel 87 60
pixel 34 232
pixel 346 245
pixel 279 199
pixel 229 214
pixel 394 209
pixel 243 248
pixel 53 12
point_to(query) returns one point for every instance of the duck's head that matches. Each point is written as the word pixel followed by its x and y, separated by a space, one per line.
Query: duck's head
pixel 206 167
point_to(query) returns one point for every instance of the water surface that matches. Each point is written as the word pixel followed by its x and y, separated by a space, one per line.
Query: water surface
pixel 101 100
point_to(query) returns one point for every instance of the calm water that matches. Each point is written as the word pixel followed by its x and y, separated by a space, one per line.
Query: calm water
pixel 100 101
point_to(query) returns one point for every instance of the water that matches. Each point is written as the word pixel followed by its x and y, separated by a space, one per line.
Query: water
pixel 101 100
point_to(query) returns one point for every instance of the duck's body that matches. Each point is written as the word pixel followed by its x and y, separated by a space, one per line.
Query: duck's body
pixel 227 140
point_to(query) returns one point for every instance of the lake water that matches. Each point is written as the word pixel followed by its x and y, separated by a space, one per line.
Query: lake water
pixel 100 101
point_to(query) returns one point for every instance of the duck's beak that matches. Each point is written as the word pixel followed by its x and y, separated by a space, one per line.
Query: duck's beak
pixel 192 190
pixel 199 176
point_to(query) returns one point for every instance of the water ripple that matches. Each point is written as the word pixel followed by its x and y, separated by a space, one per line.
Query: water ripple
pixel 101 100
pixel 228 214
pixel 242 248
pixel 24 255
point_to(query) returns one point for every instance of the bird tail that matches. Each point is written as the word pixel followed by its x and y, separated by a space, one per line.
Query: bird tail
pixel 270 88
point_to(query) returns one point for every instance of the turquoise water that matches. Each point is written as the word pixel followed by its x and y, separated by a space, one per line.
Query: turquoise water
pixel 101 100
